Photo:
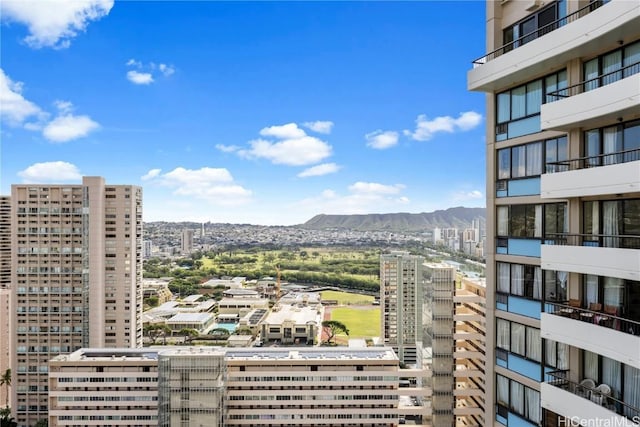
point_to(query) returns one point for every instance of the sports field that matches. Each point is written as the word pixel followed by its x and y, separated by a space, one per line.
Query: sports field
pixel 347 298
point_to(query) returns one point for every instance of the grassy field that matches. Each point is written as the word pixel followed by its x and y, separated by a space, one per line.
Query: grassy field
pixel 362 323
pixel 347 298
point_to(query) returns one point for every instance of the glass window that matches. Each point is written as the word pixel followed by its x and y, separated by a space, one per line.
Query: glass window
pixel 502 338
pixel 504 160
pixel 504 107
pixel 534 159
pixel 534 97
pixel 518 102
pixel 502 390
pixel 518 338
pixel 518 161
pixel 517 397
pixel 503 220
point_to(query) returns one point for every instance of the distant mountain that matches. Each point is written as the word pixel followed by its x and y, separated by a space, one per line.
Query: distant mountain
pixel 459 217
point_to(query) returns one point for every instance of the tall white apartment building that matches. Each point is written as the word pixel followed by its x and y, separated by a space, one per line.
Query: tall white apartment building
pixel 401 303
pixel 76 273
pixel 6 349
pixel 562 80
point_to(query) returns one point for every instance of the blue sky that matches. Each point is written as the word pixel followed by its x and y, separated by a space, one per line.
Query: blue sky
pixel 242 112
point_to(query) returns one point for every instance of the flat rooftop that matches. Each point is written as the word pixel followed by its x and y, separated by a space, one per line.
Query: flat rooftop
pixel 298 315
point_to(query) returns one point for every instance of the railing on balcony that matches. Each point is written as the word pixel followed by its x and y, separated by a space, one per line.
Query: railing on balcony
pixel 598 395
pixel 561 22
pixel 602 318
pixel 594 161
pixel 594 83
pixel 593 240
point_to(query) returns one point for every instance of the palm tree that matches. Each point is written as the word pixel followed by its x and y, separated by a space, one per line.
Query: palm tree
pixel 5 380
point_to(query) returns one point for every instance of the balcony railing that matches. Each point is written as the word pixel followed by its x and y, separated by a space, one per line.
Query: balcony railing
pixel 594 240
pixel 601 318
pixel 598 395
pixel 594 83
pixel 594 161
pixel 561 22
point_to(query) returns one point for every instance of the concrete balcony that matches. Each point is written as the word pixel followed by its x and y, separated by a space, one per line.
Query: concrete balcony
pixel 566 398
pixel 616 173
pixel 593 254
pixel 574 36
pixel 584 329
pixel 622 100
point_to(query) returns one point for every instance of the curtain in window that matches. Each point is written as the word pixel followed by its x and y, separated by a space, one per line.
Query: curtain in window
pixel 631 390
pixel 517 398
pixel 563 356
pixel 610 223
pixel 534 345
pixel 518 161
pixel 550 291
pixel 631 56
pixel 591 74
pixel 534 97
pixel 502 390
pixel 550 355
pixel 612 376
pixel 538 222
pixel 610 63
pixel 517 279
pixel 534 410
pixel 562 285
pixel 502 332
pixel 517 338
pixel 503 278
pixel 611 143
pixel 614 292
pixel 504 107
pixel 590 365
pixel 503 220
pixel 518 102
pixel 591 288
pixel 534 159
pixel 537 283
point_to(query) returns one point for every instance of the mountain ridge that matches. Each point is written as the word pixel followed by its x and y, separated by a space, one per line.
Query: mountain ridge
pixel 456 217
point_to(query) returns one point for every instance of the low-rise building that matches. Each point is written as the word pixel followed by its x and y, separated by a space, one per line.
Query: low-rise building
pixel 292 324
pixel 198 321
pixel 241 306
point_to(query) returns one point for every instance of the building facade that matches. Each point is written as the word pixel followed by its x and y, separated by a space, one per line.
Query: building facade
pixel 6 349
pixel 76 278
pixel 563 205
pixel 104 387
pixel 401 303
pixel 470 349
pixel 186 241
pixel 209 386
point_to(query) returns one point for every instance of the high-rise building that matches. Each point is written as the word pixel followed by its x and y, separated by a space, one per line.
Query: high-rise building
pixel 563 211
pixel 209 386
pixel 186 241
pixel 469 355
pixel 6 349
pixel 401 297
pixel 437 343
pixel 76 278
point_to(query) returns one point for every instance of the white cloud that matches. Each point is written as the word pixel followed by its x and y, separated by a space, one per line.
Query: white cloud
pixel 64 107
pixel 363 197
pixel 151 174
pixel 167 70
pixel 50 172
pixel 288 131
pixel 320 126
pixel 375 188
pixel 53 23
pixel 227 148
pixel 284 145
pixel 426 129
pixel 214 185
pixel 319 170
pixel 381 140
pixel 139 78
pixel 467 195
pixel 68 127
pixel 14 108
pixel 145 74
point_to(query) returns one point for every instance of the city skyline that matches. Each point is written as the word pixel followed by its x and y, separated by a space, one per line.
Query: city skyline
pixel 266 113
